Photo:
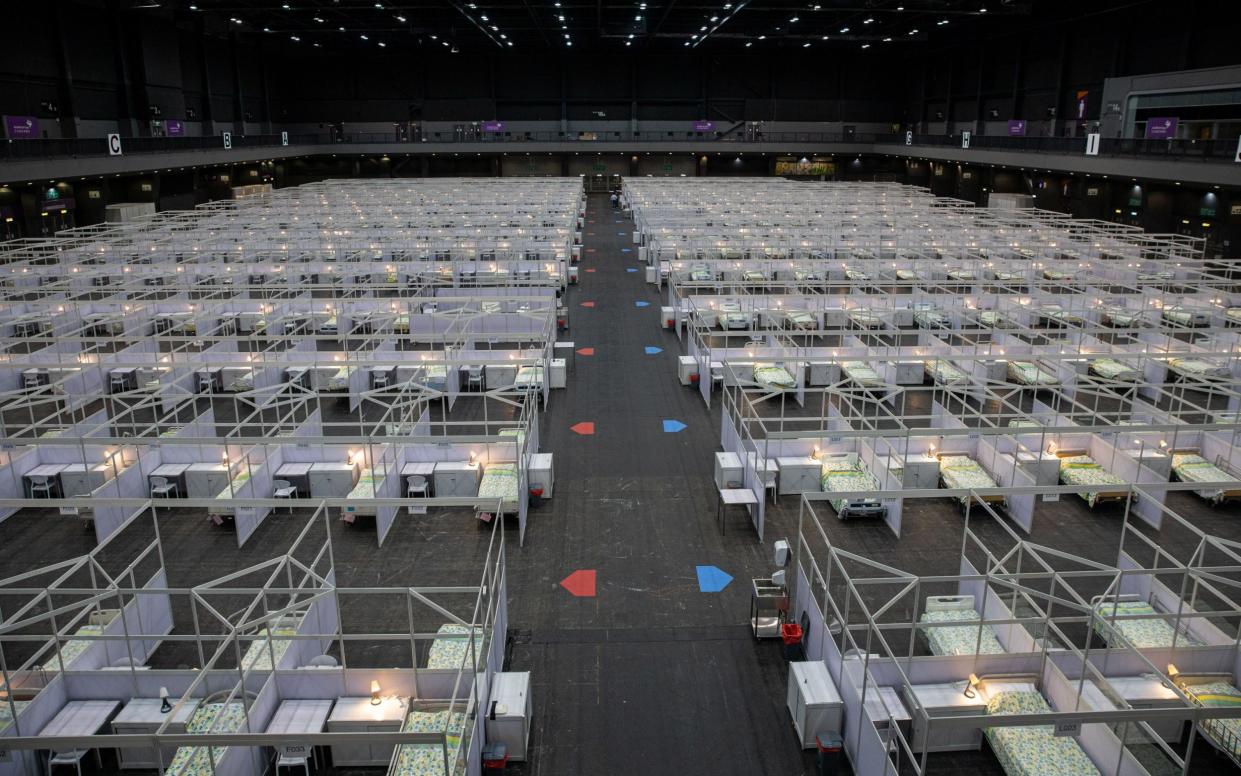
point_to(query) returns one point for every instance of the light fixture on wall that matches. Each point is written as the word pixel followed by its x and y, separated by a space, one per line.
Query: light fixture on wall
pixel 375 699
pixel 970 684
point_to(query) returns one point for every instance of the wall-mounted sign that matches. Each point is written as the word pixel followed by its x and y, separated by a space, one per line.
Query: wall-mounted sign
pixel 493 126
pixel 1093 191
pixel 965 140
pixel 1112 107
pixel 1092 144
pixel 228 140
pixel 174 128
pixel 284 138
pixel 94 194
pixel 1016 127
pixel 144 187
pixel 1161 128
pixel 1068 728
pixel 793 166
pixel 1235 210
pixel 1082 96
pixel 909 137
pixel 704 126
pixel 114 144
pixel 21 127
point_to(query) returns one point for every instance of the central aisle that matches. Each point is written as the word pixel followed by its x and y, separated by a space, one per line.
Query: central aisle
pixel 651 675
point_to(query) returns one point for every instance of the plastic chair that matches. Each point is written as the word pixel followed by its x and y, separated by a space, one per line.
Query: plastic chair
pixel 284 489
pixel 162 488
pixel 116 383
pixel 323 661
pixel 40 486
pixel 474 378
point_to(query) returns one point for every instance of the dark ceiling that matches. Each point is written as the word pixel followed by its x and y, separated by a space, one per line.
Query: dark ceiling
pixel 627 26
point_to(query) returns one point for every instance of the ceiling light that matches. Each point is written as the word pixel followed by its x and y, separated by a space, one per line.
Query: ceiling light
pixel 628 43
pixel 749 43
pixel 295 39
pixel 382 44
pixel 793 20
pixel 913 32
pixel 980 10
pixel 702 28
pixel 342 29
pixel 865 45
pixel 267 29
pixel 503 36
pixel 285 6
pixel 805 45
pixel 484 18
pixel 824 37
pixel 887 40
pixel 380 6
pixel 319 20
pixel 510 43
pixel 868 20
pixel 569 43
pixel 638 18
pixel 843 30
pixel 762 37
pixel 495 28
pixel 715 18
pixel 195 8
pixel 941 22
pixel 363 37
pixel 401 19
pixel 235 20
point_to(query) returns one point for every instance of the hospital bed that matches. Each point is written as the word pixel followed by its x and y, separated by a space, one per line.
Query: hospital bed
pixel 1112 616
pixel 220 508
pixel 451 653
pixel 241 382
pixel 928 316
pixel 865 319
pixel 1182 316
pixel 959 472
pixel 1156 277
pixel 962 275
pixel 857 276
pixel 907 275
pixel 529 376
pixel 863 374
pixel 1009 277
pixel 1058 275
pixel 1120 317
pixel 1232 317
pixel 994 320
pixel 845 473
pixel 1056 315
pixel 964 636
pixel 258 657
pixel 943 372
pixel 1217 693
pixel 1188 466
pixel 1198 368
pixel 807 276
pixel 360 498
pixel 731 317
pixel 1112 370
pixel 433 376
pixel 699 273
pixel 429 759
pixel 1031 750
pixel 500 482
pixel 211 716
pixel 769 375
pixel 754 276
pixel 1029 373
pixel 801 319
pixel 1078 468
pixel 338 382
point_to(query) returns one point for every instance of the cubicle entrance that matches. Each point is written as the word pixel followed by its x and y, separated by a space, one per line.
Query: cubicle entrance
pixel 602 182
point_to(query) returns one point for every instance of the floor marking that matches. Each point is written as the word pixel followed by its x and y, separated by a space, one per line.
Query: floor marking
pixel 580 583
pixel 588 304
pixel 590 250
pixel 626 250
pixel 673 426
pixel 712 579
pixel 585 351
pixel 585 428
pixel 620 234
pixel 592 269
pixel 652 350
pixel 631 269
pixel 641 304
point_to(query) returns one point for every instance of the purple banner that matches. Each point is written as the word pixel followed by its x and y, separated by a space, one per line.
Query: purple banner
pixel 1017 127
pixel 704 126
pixel 174 128
pixel 1161 128
pixel 19 127
pixel 493 126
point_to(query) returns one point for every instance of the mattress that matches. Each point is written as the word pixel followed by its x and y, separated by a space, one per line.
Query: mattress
pixel 772 376
pixel 429 759
pixel 1055 274
pixel 365 486
pixel 1082 470
pixel 944 372
pixel 1190 467
pixel 529 376
pixel 1198 367
pixel 207 718
pixel 753 276
pixel 861 373
pixel 258 657
pixel 993 320
pixel 807 276
pixel 242 382
pixel 1233 315
pixel 1010 277
pixel 1156 277
pixel 452 653
pixel 1224 733
pixel 6 712
pixel 1142 634
pixel 960 472
pixel 1029 373
pixel 929 318
pixel 72 649
pixel 1120 316
pixel 1111 369
pixel 843 476
pixel 907 274
pixel 1057 313
pixel 865 319
pixel 1182 317
pixel 856 274
pixel 500 481
pixel 801 319
pixel 961 274
pixel 1033 750
pixel 339 381
pixel 435 375
pixel 960 639
pixel 700 275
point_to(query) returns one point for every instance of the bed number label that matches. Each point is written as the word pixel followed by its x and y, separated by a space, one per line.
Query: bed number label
pixel 1068 727
pixel 6 755
pixel 295 750
pixel 1051 496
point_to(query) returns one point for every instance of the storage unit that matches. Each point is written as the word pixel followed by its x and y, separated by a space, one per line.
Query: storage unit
pixel 916 471
pixel 823 374
pixel 457 478
pixel 205 480
pixel 508 714
pixel 1043 467
pixel 1140 692
pixel 687 370
pixel 558 374
pixel 908 373
pixel 799 475
pixel 329 479
pixel 540 474
pixel 728 469
pixel 667 318
pixel 359 715
pixel 499 375
pixel 141 716
pixel 79 479
pixel 946 700
pixel 813 701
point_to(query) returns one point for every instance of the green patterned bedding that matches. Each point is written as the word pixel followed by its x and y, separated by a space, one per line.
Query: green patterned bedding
pixel 959 639
pixel 208 718
pixel 365 487
pixel 6 713
pixel 960 472
pixel 259 658
pixel 1029 373
pixel 1197 367
pixel 1143 634
pixel 944 372
pixel 907 274
pixel 1033 750
pixel 531 376
pixel 1082 470
pixel 1224 733
pixel 1233 315
pixel 1182 317
pixel 994 320
pixel 1190 467
pixel 865 319
pixel 861 373
pixel 801 318
pixel 500 481
pixel 772 376
pixel 72 649
pixel 844 476
pixel 339 382
pixel 753 276
pixel 1123 317
pixel 451 653
pixel 428 759
pixel 1111 369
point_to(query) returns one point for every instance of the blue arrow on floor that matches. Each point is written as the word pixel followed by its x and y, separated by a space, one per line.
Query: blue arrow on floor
pixel 626 250
pixel 712 579
pixel 631 269
pixel 673 426
pixel 652 350
pixel 641 304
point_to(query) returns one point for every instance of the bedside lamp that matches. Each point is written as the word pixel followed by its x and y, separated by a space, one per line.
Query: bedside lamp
pixel 970 684
pixel 375 699
pixel 164 705
pixel 1173 673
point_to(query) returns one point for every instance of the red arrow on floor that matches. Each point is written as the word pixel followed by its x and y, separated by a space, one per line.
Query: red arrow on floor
pixel 588 304
pixel 592 269
pixel 585 428
pixel 580 583
pixel 585 351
